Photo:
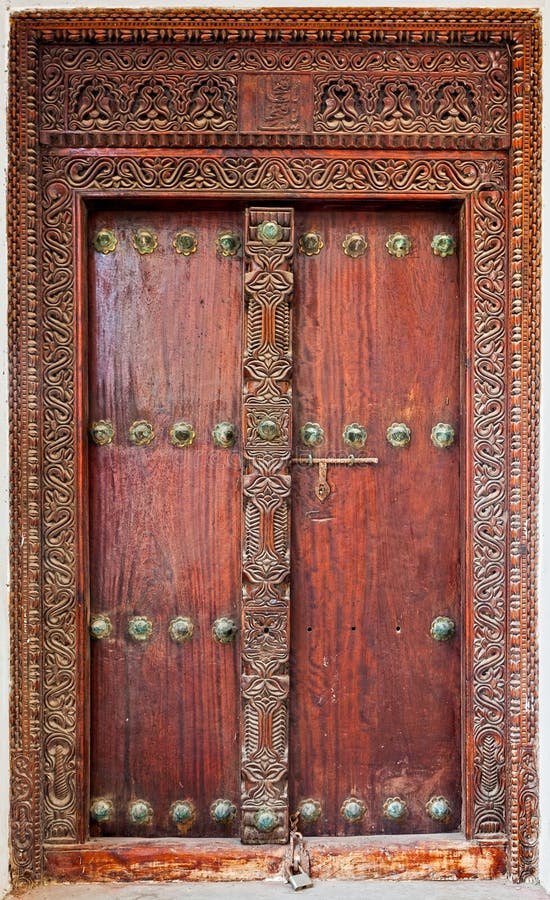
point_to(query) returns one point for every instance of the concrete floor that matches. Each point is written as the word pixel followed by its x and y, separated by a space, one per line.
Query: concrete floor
pixel 322 890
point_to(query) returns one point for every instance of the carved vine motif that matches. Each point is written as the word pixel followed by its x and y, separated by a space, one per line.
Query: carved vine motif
pixel 111 102
pixel 489 535
pixel 426 105
pixel 267 368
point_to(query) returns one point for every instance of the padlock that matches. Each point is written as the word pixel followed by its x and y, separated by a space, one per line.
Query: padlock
pixel 300 880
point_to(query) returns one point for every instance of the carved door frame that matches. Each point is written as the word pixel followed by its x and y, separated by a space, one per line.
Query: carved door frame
pixel 483 152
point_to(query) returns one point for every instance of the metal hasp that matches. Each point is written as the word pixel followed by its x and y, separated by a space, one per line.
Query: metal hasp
pixel 322 488
pixel 296 861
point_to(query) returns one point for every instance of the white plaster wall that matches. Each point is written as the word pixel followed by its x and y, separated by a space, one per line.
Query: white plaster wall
pixel 9 6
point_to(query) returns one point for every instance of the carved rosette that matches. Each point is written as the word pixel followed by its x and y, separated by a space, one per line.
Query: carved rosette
pixel 266 553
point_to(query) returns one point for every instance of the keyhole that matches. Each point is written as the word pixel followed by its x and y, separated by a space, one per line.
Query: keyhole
pixel 353 627
pixel 398 628
pixel 309 628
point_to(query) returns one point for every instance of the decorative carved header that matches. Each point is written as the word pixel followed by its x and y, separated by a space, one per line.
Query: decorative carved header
pixel 396 97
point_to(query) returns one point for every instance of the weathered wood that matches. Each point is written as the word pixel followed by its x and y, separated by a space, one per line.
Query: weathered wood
pixel 228 860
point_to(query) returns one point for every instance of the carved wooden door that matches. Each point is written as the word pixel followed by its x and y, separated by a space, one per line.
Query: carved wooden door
pixel 349 622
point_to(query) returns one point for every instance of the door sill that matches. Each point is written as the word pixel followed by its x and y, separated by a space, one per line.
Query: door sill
pixel 402 857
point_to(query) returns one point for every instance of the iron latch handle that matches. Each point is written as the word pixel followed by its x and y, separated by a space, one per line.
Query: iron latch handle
pixel 322 488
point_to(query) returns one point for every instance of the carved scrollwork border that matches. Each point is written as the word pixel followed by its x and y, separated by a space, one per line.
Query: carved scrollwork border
pixel 44 741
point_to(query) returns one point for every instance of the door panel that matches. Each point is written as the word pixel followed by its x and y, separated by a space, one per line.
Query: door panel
pixel 375 700
pixel 165 345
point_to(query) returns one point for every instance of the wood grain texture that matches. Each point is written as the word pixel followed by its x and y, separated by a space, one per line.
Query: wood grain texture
pixel 375 702
pixel 396 858
pixel 164 521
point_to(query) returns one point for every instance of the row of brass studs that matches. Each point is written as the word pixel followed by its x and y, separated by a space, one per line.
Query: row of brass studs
pixel 180 628
pixel 185 242
pixel 228 243
pixel 182 434
pixel 182 812
pixel 394 808
pixel 398 434
pixel 355 244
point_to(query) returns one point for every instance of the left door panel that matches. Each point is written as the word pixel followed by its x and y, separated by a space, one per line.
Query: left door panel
pixel 165 348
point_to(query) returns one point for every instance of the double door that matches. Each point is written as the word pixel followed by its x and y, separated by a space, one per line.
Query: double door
pixel 363 622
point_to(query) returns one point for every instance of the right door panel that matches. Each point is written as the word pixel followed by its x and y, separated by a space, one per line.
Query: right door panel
pixel 376 567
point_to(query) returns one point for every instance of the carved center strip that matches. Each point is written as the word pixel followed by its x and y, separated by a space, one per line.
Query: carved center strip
pixel 267 433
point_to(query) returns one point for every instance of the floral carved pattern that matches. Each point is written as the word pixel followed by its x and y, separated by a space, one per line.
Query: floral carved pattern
pixel 267 369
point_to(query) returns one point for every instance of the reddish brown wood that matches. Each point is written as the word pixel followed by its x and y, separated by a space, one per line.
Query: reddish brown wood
pixel 375 704
pixel 195 860
pixel 165 346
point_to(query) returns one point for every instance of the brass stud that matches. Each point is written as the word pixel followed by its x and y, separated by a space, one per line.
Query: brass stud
pixel 353 809
pixel 438 808
pixel 443 245
pixel 182 434
pixel 355 435
pixel 102 432
pixel 145 241
pixel 310 810
pixel 140 812
pixel 355 245
pixel 225 435
pixel 101 810
pixel 228 243
pixel 269 430
pixel 269 232
pixel 181 629
pixel 185 242
pixel 140 628
pixel 265 819
pixel 141 433
pixel 312 434
pixel 398 245
pixel 182 812
pixel 394 808
pixel 310 243
pixel 222 811
pixel 442 435
pixel 224 630
pixel 100 627
pixel 105 241
pixel 442 628
pixel 398 434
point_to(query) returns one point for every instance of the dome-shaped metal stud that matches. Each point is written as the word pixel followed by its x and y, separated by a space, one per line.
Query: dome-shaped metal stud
pixel 443 245
pixel 269 232
pixel 141 433
pixel 228 243
pixel 442 435
pixel 185 242
pixel 394 808
pixel 181 629
pixel 140 812
pixel 101 810
pixel 222 811
pixel 353 809
pixel 145 241
pixel 102 432
pixel 225 435
pixel 265 819
pixel 398 434
pixel 105 241
pixel 398 245
pixel 354 245
pixel 182 434
pixel 140 628
pixel 100 626
pixel 355 435
pixel 310 810
pixel 182 812
pixel 224 630
pixel 438 808
pixel 268 430
pixel 310 243
pixel 311 434
pixel 442 628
